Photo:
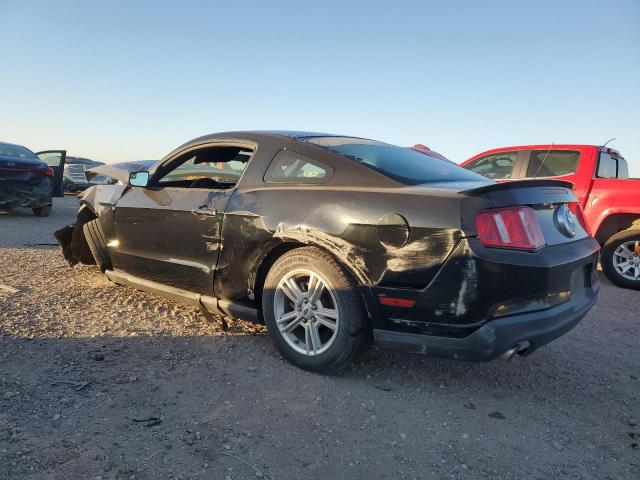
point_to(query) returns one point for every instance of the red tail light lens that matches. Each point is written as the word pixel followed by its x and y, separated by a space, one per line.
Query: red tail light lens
pixel 576 209
pixel 396 302
pixel 49 172
pixel 512 227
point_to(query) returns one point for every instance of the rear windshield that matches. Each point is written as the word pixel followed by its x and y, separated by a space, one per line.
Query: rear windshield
pixel 405 165
pixel 16 151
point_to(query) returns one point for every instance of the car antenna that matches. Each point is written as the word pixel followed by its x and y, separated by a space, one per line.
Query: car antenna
pixel 545 157
pixel 608 141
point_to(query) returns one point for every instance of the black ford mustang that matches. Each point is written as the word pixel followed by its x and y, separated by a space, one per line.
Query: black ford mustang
pixel 328 238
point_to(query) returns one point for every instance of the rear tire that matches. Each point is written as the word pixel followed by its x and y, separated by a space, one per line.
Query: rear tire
pixel 97 243
pixel 43 211
pixel 614 259
pixel 318 329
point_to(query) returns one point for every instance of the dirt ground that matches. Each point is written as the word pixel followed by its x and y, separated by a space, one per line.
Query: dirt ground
pixel 105 382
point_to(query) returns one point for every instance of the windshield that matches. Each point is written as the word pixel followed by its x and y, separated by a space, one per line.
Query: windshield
pixel 100 179
pixel 75 169
pixel 405 165
pixel 16 151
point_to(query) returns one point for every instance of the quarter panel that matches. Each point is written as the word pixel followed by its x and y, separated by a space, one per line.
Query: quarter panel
pixel 343 222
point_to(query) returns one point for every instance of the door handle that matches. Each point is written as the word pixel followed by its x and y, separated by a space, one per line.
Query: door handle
pixel 204 210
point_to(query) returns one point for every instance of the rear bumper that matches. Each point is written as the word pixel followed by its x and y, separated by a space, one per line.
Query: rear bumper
pixel 15 194
pixel 497 336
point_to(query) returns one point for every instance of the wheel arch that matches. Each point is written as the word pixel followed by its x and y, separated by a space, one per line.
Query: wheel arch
pixel 614 223
pixel 282 248
pixel 265 265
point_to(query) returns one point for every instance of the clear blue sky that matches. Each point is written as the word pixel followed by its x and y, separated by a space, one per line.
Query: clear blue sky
pixel 116 81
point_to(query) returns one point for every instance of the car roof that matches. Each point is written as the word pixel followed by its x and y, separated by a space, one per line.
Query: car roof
pixel 297 133
pixel 265 134
pixel 268 136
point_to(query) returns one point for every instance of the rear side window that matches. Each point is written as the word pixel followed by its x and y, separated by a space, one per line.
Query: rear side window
pixel 623 168
pixel 291 167
pixel 496 165
pixel 552 163
pixel 612 167
pixel 607 167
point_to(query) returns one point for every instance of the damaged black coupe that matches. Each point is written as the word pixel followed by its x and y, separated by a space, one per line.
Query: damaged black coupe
pixel 332 240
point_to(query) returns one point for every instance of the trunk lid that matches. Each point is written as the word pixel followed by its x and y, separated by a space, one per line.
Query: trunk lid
pixel 21 169
pixel 552 201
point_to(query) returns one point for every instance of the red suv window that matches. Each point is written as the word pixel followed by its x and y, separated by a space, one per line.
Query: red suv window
pixel 496 165
pixel 552 163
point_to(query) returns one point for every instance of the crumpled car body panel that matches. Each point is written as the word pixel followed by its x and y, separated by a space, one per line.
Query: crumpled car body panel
pixel 30 192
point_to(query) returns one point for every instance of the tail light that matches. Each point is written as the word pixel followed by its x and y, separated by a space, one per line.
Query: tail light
pixel 512 227
pixel 49 172
pixel 576 209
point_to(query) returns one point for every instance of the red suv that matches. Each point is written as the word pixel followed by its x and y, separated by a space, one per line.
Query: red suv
pixel 600 178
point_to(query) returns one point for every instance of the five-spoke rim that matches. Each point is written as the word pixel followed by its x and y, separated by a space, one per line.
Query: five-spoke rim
pixel 626 260
pixel 306 312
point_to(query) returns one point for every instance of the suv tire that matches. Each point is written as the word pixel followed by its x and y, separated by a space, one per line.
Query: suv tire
pixel 613 263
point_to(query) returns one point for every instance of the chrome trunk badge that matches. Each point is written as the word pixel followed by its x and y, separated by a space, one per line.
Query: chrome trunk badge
pixel 565 221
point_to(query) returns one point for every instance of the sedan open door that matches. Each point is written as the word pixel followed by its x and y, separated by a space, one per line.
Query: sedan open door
pixel 55 159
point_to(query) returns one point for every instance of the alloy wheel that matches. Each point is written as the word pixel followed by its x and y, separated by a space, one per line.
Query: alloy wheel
pixel 626 260
pixel 306 312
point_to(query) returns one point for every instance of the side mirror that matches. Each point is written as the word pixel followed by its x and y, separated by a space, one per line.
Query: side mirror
pixel 139 179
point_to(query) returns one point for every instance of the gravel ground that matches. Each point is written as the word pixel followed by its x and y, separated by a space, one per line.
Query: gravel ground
pixel 105 382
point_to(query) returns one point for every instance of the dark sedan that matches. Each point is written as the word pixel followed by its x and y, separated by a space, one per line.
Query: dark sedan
pixel 328 239
pixel 25 180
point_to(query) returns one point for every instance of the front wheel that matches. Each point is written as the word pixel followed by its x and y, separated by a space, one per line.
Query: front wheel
pixel 97 243
pixel 621 259
pixel 312 310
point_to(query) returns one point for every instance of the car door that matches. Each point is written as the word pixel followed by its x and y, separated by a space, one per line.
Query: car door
pixel 170 231
pixel 55 159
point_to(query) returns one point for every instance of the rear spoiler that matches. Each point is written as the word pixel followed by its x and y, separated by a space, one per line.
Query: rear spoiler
pixel 495 187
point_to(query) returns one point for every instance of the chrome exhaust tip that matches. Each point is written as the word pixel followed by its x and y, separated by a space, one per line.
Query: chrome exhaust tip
pixel 519 348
